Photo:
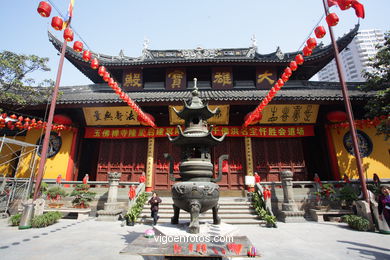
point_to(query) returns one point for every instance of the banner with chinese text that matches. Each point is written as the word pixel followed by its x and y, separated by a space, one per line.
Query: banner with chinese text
pixel 221 118
pixel 289 114
pixel 110 116
pixel 222 78
pixel 132 80
pixel 176 79
pixel 232 131
pixel 265 78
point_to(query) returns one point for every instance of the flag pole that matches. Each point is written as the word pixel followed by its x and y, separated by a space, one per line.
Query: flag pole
pixel 348 108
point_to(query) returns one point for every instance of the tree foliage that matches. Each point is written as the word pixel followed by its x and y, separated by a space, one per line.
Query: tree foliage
pixel 17 89
pixel 379 81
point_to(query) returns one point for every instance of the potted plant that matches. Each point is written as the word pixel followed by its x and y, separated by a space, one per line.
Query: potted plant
pixel 326 194
pixel 54 194
pixel 82 196
pixel 347 195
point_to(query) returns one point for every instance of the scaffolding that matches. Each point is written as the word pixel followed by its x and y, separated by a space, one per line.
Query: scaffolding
pixel 16 157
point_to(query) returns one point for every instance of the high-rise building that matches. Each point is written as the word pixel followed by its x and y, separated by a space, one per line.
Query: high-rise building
pixel 355 58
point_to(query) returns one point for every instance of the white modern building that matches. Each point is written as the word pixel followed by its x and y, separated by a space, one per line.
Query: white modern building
pixel 355 58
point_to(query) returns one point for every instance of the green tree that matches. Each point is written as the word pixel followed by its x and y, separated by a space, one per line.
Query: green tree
pixel 379 81
pixel 16 88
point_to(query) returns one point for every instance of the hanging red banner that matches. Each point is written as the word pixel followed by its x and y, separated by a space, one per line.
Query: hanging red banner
pixel 232 131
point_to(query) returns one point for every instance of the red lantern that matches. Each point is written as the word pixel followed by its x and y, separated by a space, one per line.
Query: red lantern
pixel 332 19
pixel 106 76
pixel 13 116
pixel 336 116
pixel 68 34
pixel 142 120
pixel 87 55
pixel 280 82
pixel 299 59
pixel 277 87
pixel 320 32
pixel 284 77
pixel 78 46
pixel 94 63
pixel 101 70
pixel 306 51
pixel 20 118
pixel 311 43
pixel 293 65
pixel 61 120
pixel 288 71
pixel 57 23
pixel 111 82
pixel 44 9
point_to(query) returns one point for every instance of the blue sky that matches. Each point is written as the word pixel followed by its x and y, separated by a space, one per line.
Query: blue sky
pixel 109 26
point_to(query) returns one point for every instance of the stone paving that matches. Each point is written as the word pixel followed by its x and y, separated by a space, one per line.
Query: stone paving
pixel 91 239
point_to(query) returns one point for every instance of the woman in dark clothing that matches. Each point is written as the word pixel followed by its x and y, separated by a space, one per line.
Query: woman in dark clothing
pixel 154 201
pixel 384 209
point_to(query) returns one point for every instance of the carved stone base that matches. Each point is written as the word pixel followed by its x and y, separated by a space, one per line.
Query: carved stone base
pixel 292 216
pixel 109 215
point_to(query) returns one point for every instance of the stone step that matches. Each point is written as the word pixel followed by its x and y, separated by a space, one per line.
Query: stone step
pixel 221 206
pixel 220 211
pixel 207 215
pixel 240 221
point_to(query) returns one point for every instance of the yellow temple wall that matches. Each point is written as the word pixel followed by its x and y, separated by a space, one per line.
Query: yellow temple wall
pixel 6 156
pixel 55 165
pixel 377 162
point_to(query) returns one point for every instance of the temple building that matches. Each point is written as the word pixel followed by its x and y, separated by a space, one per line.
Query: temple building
pixel 294 132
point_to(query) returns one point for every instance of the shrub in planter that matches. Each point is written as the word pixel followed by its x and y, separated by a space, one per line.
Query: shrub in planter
pixel 356 222
pixel 55 193
pixel 82 196
pixel 46 219
pixel 347 195
pixel 15 219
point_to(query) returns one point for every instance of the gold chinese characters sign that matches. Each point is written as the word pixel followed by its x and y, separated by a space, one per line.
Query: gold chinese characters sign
pixel 132 80
pixel 221 118
pixel 289 114
pixel 176 79
pixel 222 78
pixel 110 116
pixel 265 78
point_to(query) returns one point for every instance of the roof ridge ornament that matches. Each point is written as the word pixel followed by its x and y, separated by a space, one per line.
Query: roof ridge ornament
pixel 279 53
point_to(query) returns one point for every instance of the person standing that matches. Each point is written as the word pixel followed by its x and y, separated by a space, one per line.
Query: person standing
pixel 384 209
pixel 154 202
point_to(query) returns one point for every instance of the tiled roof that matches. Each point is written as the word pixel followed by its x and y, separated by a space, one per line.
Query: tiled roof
pixel 321 56
pixel 293 90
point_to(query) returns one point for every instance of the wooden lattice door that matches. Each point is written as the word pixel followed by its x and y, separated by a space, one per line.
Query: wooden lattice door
pixel 127 156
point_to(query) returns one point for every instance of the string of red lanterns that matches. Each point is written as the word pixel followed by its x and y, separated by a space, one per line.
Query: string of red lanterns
pixel 363 123
pixel 26 123
pixel 332 20
pixel 44 9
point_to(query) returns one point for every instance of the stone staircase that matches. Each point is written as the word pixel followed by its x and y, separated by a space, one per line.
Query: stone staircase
pixel 232 210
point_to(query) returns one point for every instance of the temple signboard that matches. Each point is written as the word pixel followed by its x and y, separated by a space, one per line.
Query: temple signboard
pixel 221 118
pixel 132 80
pixel 176 79
pixel 265 78
pixel 289 114
pixel 222 78
pixel 110 116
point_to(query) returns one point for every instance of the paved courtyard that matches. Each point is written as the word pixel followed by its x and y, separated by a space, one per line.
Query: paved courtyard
pixel 91 239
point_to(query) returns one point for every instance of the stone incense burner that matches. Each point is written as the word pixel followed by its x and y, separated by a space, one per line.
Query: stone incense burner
pixel 196 190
